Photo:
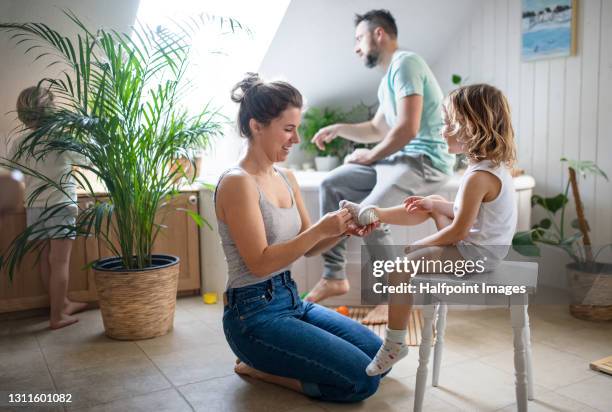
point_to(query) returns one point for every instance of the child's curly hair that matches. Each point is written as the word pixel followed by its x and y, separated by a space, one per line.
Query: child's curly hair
pixel 32 105
pixel 480 117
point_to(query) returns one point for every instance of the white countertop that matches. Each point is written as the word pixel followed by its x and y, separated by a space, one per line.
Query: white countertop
pixel 310 181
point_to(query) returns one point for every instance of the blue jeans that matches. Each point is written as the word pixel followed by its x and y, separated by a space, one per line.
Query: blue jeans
pixel 271 329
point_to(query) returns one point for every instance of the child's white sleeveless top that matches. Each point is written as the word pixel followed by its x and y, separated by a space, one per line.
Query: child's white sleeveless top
pixel 492 231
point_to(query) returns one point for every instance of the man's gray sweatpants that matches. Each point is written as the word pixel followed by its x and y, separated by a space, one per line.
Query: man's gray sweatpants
pixel 386 183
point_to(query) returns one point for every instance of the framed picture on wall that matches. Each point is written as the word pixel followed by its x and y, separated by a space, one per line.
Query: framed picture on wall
pixel 548 29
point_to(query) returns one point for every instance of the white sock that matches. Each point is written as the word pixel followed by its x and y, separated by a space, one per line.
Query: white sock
pixel 353 209
pixel 368 215
pixel 392 350
pixel 361 215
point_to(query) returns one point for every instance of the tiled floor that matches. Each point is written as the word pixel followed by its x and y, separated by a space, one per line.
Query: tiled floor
pixel 192 368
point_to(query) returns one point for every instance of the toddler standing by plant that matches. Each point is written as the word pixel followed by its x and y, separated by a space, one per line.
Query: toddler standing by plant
pixel 481 221
pixel 50 211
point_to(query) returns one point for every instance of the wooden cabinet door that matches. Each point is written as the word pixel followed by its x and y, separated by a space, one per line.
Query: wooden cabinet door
pixel 26 291
pixel 181 238
pixel 81 286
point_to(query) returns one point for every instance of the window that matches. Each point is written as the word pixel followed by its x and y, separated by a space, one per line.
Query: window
pixel 220 57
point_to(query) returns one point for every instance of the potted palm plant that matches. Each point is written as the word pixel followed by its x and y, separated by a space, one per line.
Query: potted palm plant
pixel 119 109
pixel 590 281
pixel 315 119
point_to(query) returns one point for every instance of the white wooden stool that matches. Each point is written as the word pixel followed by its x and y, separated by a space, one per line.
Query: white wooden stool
pixel 435 305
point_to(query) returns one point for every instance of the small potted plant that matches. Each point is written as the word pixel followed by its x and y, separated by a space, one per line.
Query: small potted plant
pixel 315 119
pixel 120 111
pixel 589 280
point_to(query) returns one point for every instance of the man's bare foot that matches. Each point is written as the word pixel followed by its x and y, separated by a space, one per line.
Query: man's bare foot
pixel 377 316
pixel 70 307
pixel 63 321
pixel 327 288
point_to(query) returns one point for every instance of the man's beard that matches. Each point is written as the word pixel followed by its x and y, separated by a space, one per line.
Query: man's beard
pixel 372 59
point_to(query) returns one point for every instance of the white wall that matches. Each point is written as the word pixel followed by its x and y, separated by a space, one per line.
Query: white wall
pixel 561 107
pixel 17 71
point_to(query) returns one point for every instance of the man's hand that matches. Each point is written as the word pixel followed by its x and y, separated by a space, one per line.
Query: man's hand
pixel 325 135
pixel 360 156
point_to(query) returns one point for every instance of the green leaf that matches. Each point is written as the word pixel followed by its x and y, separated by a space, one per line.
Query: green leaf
pixel 552 204
pixel 570 240
pixel 585 167
pixel 545 223
pixel 456 79
pixel 523 243
pixel 536 200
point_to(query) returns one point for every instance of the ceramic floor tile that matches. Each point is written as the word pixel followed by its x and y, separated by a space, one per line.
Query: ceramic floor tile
pixel 552 402
pixel 552 367
pixel 90 354
pixel 37 383
pixel 595 392
pixel 17 342
pixel 107 383
pixel 196 364
pixel 473 385
pixel 393 395
pixel 407 367
pixel 236 394
pixel 184 336
pixel 588 344
pixel 168 400
pixel 474 340
pixel 19 365
pixel 104 374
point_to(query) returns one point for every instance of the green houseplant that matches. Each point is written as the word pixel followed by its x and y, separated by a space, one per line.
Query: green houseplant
pixel 118 108
pixel 315 119
pixel 590 281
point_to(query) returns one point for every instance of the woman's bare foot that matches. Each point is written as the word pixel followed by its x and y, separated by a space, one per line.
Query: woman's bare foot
pixel 327 288
pixel 64 320
pixel 377 316
pixel 243 369
pixel 70 307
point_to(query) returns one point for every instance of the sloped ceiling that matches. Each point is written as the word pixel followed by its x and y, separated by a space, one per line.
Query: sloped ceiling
pixel 313 47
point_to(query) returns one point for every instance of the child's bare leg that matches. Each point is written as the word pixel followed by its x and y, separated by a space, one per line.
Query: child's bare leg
pixel 59 261
pixel 400 305
pixel 45 270
pixel 242 368
pixel 70 307
pixel 397 215
pixel 441 220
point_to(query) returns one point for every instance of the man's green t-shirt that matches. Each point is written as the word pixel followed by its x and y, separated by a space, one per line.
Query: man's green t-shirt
pixel 408 74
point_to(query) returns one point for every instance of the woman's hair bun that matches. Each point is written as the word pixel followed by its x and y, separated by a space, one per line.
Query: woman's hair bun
pixel 241 88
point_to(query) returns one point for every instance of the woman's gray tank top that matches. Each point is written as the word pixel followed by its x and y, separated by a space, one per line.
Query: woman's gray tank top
pixel 281 224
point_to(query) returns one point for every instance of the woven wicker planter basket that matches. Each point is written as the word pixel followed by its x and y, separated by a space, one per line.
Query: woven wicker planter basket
pixel 591 292
pixel 137 304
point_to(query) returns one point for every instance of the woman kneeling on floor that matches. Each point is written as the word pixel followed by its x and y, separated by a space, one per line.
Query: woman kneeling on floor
pixel 264 228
